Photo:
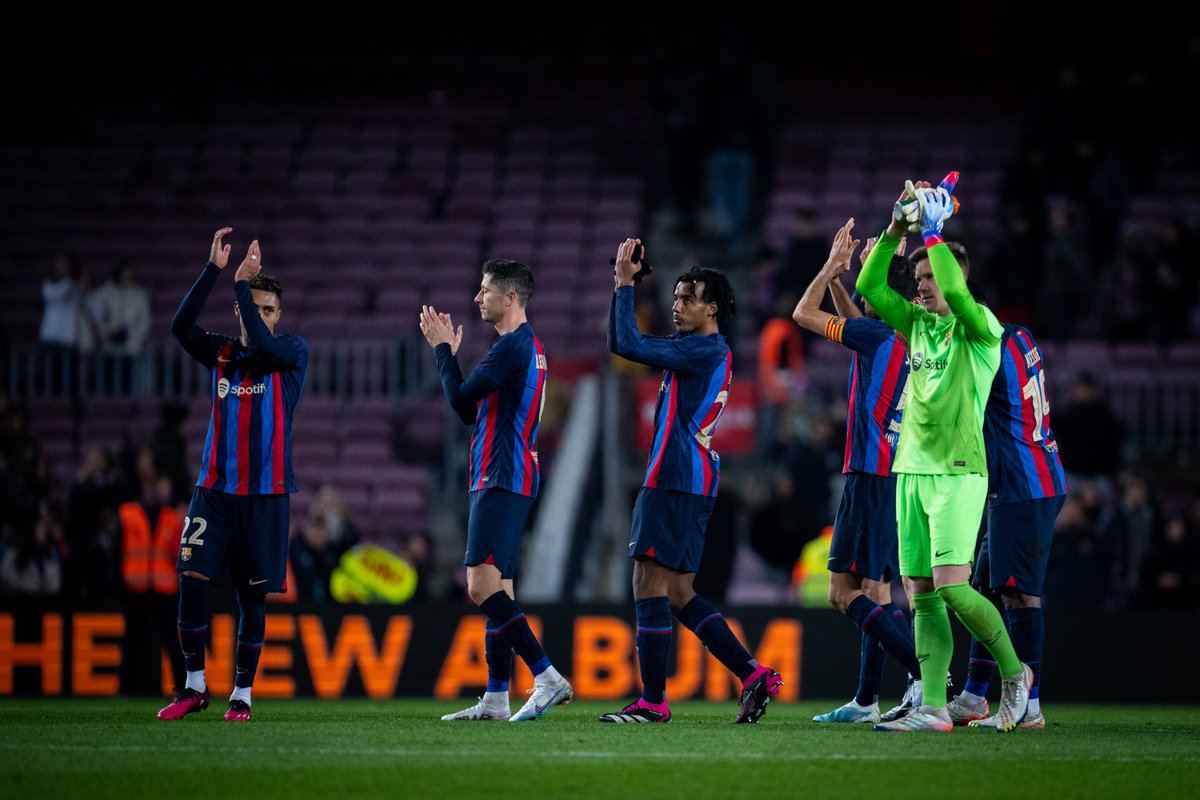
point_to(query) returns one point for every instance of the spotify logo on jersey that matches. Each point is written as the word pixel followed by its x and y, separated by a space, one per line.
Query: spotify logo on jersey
pixel 223 389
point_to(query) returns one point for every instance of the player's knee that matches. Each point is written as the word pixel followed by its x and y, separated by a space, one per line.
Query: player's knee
pixel 1014 598
pixel 837 598
pixel 478 593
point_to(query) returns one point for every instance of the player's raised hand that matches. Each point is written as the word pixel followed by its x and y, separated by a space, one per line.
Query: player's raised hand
pixel 842 250
pixel 625 268
pixel 906 212
pixel 457 332
pixel 867 248
pixel 251 265
pixel 438 329
pixel 219 254
pixel 937 206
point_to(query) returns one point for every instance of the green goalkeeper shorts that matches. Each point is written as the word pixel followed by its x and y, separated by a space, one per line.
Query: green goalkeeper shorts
pixel 938 518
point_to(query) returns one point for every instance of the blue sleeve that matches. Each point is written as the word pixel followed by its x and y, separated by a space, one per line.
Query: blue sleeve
pixel 857 299
pixel 198 344
pixel 280 349
pixel 612 324
pixel 865 336
pixel 488 375
pixel 685 354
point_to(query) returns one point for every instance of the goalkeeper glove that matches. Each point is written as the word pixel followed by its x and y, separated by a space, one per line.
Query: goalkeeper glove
pixel 937 206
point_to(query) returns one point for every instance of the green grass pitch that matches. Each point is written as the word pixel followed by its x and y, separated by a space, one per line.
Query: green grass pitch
pixel 100 748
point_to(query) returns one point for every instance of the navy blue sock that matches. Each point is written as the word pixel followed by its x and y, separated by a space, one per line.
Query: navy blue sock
pixel 499 657
pixel 193 621
pixel 1027 629
pixel 654 633
pixel 252 626
pixel 512 625
pixel 870 670
pixel 702 618
pixel 981 668
pixel 880 624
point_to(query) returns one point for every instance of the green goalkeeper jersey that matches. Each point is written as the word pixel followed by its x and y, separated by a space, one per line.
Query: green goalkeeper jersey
pixel 952 362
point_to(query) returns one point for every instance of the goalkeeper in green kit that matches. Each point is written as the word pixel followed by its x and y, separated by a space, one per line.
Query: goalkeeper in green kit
pixel 941 465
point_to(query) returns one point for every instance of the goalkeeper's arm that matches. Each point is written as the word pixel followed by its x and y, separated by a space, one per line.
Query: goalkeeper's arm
pixel 949 277
pixel 872 284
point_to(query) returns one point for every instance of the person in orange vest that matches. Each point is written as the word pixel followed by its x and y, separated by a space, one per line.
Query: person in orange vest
pixel 781 375
pixel 150 531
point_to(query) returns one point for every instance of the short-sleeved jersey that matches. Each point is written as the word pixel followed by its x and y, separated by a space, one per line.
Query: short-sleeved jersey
pixel 503 398
pixel 255 393
pixel 697 375
pixel 1022 453
pixel 876 392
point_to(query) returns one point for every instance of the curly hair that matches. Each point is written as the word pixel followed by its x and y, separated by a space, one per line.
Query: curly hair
pixel 716 289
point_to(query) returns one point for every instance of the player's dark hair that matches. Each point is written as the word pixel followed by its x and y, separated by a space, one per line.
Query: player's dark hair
pixel 960 254
pixel 268 283
pixel 902 277
pixel 511 276
pixel 716 289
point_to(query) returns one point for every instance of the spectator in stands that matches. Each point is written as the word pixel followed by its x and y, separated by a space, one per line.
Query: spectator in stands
pixel 1175 282
pixel 66 327
pixel 22 464
pixel 121 310
pixel 93 570
pixel 1089 433
pixel 313 558
pixel 169 447
pixel 741 104
pixel 1077 576
pixel 775 525
pixel 151 527
pixel 1171 570
pixel 329 506
pixel 1130 532
pixel 1067 294
pixel 803 255
pixel 812 461
pixel 416 547
pixel 781 377
pixel 32 565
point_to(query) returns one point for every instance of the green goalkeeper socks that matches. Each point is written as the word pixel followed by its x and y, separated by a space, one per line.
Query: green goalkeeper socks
pixel 984 622
pixel 935 646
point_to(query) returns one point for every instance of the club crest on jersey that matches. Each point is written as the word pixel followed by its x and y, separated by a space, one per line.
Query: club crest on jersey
pixel 185 554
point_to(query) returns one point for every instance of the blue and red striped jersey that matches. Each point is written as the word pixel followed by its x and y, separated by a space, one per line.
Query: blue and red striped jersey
pixel 255 391
pixel 1022 454
pixel 697 374
pixel 876 392
pixel 503 398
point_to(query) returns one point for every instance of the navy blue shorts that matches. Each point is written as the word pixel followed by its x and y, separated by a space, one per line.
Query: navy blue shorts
pixel 669 527
pixel 1016 547
pixel 864 530
pixel 242 538
pixel 495 525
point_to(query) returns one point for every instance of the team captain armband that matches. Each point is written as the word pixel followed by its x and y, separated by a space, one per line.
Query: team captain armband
pixel 833 329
